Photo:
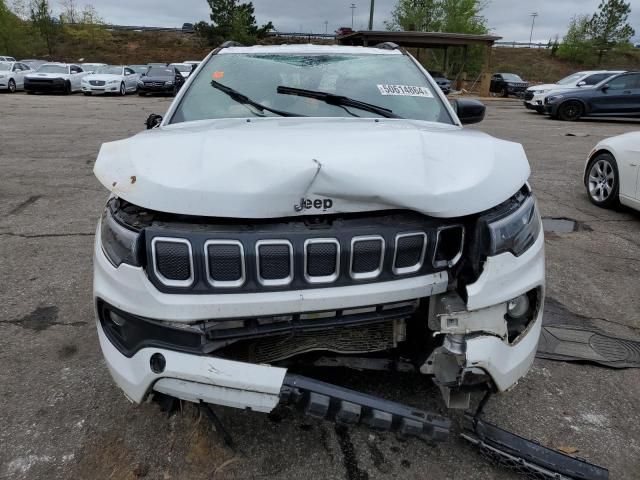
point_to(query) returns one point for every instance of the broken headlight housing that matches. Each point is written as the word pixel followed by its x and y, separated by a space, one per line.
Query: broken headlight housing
pixel 516 230
pixel 119 243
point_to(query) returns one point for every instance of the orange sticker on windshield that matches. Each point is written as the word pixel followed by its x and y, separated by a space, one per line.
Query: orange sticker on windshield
pixel 217 75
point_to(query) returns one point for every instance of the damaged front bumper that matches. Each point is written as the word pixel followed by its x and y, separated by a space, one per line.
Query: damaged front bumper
pixel 477 345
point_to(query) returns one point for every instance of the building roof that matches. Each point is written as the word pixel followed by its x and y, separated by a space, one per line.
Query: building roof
pixel 417 39
pixel 309 49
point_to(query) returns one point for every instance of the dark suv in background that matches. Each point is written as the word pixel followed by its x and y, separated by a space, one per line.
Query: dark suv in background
pixel 505 84
pixel 160 80
pixel 618 96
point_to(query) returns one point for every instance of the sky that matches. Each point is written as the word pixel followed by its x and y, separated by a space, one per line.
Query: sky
pixel 510 19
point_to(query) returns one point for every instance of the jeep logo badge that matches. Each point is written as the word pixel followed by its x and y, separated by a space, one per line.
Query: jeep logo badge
pixel 315 204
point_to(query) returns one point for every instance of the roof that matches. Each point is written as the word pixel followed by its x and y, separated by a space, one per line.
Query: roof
pixel 310 49
pixel 417 39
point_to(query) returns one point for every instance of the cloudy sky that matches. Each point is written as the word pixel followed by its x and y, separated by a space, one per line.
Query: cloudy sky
pixel 508 18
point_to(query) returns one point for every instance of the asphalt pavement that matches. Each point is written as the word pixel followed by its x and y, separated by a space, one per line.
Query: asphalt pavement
pixel 61 416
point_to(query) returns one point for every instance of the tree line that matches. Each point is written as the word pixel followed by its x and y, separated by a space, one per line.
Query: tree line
pixel 29 27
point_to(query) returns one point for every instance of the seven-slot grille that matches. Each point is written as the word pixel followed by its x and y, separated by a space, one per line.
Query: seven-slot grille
pixel 285 257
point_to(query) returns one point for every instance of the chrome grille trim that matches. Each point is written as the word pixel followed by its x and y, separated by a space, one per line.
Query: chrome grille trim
pixel 278 282
pixel 166 281
pixel 417 266
pixel 243 270
pixel 374 273
pixel 458 256
pixel 326 278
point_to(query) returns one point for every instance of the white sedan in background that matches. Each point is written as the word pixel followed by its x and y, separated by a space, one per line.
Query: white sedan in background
pixel 12 76
pixel 185 69
pixel 55 77
pixel 534 96
pixel 611 172
pixel 118 79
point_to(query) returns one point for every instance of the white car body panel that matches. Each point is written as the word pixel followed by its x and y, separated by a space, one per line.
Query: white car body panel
pixel 625 149
pixel 542 91
pixel 17 76
pixel 436 169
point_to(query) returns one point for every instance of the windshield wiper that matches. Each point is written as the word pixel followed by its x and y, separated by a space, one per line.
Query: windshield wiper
pixel 338 100
pixel 243 99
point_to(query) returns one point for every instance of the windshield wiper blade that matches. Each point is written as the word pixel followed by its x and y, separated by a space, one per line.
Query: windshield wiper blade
pixel 243 99
pixel 338 100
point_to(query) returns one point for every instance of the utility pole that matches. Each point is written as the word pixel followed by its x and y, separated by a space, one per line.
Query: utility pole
pixel 533 22
pixel 373 2
pixel 326 27
pixel 353 8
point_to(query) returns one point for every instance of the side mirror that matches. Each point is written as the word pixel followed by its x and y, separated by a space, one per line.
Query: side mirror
pixel 153 121
pixel 469 111
pixel 605 87
pixel 582 83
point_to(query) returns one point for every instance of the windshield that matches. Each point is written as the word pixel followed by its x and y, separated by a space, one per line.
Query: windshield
pixel 109 70
pixel 511 77
pixel 160 72
pixel 139 68
pixel 570 79
pixel 392 82
pixel 5 66
pixel 53 69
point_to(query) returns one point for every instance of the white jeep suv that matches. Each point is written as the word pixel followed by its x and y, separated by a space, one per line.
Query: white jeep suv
pixel 315 205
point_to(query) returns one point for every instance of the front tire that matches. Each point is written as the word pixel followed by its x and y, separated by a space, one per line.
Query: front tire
pixel 123 90
pixel 12 86
pixel 67 88
pixel 503 93
pixel 570 111
pixel 602 181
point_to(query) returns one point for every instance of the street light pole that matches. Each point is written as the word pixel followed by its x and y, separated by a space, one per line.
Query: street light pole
pixel 326 26
pixel 533 22
pixel 353 8
pixel 371 15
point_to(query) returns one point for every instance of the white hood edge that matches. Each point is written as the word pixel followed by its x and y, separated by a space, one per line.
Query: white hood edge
pixel 262 168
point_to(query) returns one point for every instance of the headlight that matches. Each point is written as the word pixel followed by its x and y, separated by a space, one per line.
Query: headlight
pixel 554 98
pixel 540 92
pixel 517 231
pixel 141 83
pixel 119 244
pixel 111 82
pixel 168 83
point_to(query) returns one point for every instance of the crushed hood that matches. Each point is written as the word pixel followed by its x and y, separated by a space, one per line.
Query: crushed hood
pixel 263 168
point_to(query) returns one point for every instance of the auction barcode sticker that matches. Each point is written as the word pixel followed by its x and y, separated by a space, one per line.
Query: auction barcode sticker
pixel 405 90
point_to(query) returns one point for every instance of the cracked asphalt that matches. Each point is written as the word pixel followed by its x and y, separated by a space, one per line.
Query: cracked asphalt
pixel 61 416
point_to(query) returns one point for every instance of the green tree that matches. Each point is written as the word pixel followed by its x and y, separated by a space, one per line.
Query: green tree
pixel 44 23
pixel 460 16
pixel 232 20
pixel 608 26
pixel 577 45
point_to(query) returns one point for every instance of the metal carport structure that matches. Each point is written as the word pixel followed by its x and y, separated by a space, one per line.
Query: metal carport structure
pixel 430 40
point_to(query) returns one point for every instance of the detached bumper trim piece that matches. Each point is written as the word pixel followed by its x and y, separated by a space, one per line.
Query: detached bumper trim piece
pixel 529 457
pixel 345 406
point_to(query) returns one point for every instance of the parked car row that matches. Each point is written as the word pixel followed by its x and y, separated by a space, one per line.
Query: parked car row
pixel 36 76
pixel 535 95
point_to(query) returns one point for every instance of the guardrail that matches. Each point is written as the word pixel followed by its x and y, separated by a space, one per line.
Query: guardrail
pixel 522 45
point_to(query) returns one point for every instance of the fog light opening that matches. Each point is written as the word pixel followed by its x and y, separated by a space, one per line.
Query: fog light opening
pixel 117 319
pixel 157 363
pixel 518 307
